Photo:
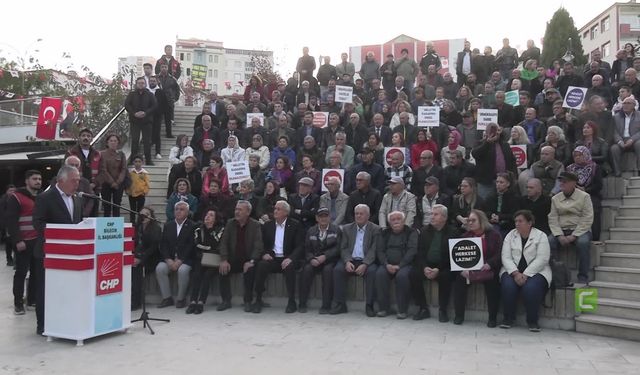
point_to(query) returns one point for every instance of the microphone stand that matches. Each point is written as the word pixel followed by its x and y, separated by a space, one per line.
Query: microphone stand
pixel 144 316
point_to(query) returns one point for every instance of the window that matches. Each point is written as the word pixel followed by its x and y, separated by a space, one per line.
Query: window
pixel 188 56
pixel 210 58
pixel 215 73
pixel 215 59
pixel 605 25
pixel 237 64
pixel 585 35
pixel 606 50
pixel 210 73
pixel 188 72
pixel 594 32
pixel 237 77
pixel 181 56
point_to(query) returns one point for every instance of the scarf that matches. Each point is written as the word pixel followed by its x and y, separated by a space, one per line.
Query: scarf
pixel 586 170
pixel 456 140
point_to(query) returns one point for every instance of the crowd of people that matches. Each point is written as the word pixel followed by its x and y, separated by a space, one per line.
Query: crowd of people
pixel 389 217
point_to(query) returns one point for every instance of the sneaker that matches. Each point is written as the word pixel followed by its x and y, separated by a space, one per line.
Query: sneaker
pixel 199 308
pixel 10 263
pixel 324 310
pixel 158 156
pixel 401 316
pixel 181 304
pixel 422 314
pixel 339 308
pixel 381 314
pixel 192 308
pixel 506 324
pixel 166 302
pixel 18 310
pixel 224 305
pixel 534 327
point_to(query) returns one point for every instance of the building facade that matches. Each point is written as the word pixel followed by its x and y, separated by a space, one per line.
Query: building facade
pixel 135 63
pixel 611 30
pixel 211 66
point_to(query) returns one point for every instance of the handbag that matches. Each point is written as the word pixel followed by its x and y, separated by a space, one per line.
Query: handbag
pixel 480 276
pixel 210 260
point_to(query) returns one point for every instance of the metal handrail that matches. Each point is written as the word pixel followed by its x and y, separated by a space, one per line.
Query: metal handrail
pixel 105 128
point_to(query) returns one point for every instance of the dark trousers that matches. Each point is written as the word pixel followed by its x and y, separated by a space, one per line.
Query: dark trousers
pixel 110 194
pixel 40 282
pixel 265 267
pixel 491 290
pixel 168 117
pixel 135 204
pixel 383 284
pixel 340 281
pixel 533 292
pixel 308 273
pixel 583 245
pixel 417 288
pixel 136 129
pixel 200 280
pixel 8 247
pixel 137 283
pixel 25 262
pixel 155 132
pixel 248 278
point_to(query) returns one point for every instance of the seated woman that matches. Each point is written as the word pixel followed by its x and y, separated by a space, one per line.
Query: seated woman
pixel 502 204
pixel 463 203
pixel 215 172
pixel 590 180
pixel 598 147
pixel 453 145
pixel 282 174
pixel 519 137
pixel 525 269
pixel 258 148
pixel 555 138
pixel 479 226
pixel 271 197
pixel 180 151
pixel 181 192
pixel 207 238
pixel 222 203
pixel 374 143
pixel 146 253
pixel 233 152
pixel 424 142
pixel 403 106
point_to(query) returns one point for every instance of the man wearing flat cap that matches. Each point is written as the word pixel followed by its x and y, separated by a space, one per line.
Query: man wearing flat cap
pixel 570 222
pixel 304 204
pixel 397 199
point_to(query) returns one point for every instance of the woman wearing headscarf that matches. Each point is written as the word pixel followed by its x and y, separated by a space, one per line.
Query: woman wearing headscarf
pixel 454 144
pixel 590 180
pixel 233 152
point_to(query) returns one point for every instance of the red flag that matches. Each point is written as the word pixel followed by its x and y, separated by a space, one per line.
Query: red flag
pixel 48 118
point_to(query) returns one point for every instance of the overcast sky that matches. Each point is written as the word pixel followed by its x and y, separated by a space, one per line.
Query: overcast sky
pixel 96 34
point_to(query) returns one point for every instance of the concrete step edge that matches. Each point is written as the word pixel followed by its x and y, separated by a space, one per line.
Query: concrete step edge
pixel 610 321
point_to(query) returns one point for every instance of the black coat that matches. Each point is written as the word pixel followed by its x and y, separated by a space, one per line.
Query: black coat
pixel 51 209
pixel 215 122
pixel 307 216
pixel 141 100
pixel 442 199
pixel 198 137
pixel 453 177
pixel 385 134
pixel 194 177
pixel 293 239
pixel 424 241
pixel 540 209
pixel 174 246
pixel 315 247
pixel 148 245
pixel 510 204
pixel 485 155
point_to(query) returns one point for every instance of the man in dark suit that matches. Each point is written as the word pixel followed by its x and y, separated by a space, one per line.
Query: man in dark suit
pixel 218 107
pixel 240 248
pixel 506 113
pixel 141 106
pixel 307 129
pixel 304 204
pixel 206 131
pixel 358 247
pixel 383 132
pixel 283 238
pixel 58 205
pixel 176 249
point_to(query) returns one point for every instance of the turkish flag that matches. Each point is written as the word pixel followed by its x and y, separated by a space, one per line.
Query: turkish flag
pixel 50 109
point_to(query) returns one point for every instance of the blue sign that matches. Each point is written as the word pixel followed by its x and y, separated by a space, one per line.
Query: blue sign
pixel 109 235
pixel 575 97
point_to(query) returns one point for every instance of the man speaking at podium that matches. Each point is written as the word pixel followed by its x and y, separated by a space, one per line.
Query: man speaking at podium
pixel 58 205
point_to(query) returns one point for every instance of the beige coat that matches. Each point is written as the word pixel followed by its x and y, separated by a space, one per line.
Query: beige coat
pixel 536 252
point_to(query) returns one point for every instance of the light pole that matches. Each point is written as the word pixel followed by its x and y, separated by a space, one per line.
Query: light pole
pixel 22 61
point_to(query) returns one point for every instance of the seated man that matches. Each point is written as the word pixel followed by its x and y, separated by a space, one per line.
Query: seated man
pixel 397 199
pixel 321 253
pixel 570 222
pixel 538 203
pixel 399 247
pixel 432 263
pixel 547 170
pixel 335 201
pixel 240 247
pixel 283 238
pixel 176 249
pixel 626 135
pixel 358 247
pixel 304 204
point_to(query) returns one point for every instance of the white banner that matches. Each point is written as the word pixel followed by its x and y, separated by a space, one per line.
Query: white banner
pixel 344 94
pixel 238 171
pixel 429 116
pixel 328 173
pixel 486 117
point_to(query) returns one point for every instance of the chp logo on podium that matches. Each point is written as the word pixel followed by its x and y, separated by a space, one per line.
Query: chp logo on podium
pixel 465 254
pixel 109 274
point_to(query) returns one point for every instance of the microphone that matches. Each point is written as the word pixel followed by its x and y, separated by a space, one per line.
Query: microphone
pixel 87 195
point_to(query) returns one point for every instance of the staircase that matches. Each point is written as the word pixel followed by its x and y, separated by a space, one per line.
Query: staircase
pixel 617 276
pixel 156 199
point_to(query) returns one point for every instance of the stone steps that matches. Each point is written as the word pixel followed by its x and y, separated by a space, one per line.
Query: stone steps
pixel 617 290
pixel 620 260
pixel 618 275
pixel 608 326
pixel 623 246
pixel 617 308
pixel 631 200
pixel 630 234
pixel 627 221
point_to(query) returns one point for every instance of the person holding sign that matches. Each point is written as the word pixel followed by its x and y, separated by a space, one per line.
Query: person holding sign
pixel 399 247
pixel 493 155
pixel 525 269
pixel 479 226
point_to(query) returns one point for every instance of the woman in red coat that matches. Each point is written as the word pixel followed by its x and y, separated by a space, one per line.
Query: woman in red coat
pixel 424 143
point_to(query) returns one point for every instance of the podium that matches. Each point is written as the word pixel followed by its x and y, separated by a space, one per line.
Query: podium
pixel 88 278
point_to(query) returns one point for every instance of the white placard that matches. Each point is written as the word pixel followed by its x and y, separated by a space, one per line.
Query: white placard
pixel 344 94
pixel 429 116
pixel 486 117
pixel 320 119
pixel 238 171
pixel 575 97
pixel 389 151
pixel 465 254
pixel 332 172
pixel 250 117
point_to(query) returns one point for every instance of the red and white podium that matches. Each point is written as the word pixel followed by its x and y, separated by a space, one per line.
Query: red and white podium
pixel 88 278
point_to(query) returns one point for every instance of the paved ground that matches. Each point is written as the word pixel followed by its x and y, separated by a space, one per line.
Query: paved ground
pixel 234 342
